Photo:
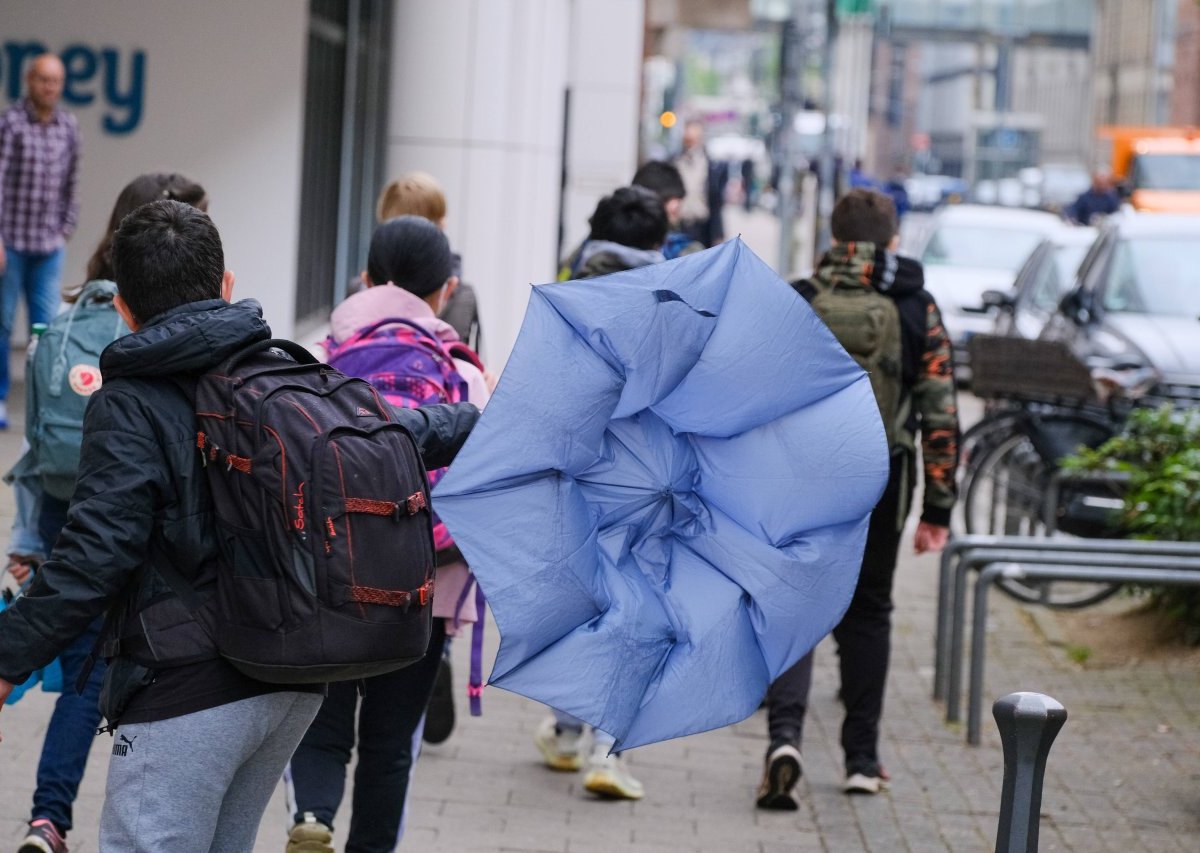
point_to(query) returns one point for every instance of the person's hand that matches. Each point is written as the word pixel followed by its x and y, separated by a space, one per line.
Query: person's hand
pixel 20 567
pixel 930 538
pixel 6 687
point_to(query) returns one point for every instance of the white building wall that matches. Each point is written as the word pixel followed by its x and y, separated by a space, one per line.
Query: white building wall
pixel 223 104
pixel 478 91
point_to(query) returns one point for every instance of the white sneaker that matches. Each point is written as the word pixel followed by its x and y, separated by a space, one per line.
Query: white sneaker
pixel 310 836
pixel 782 769
pixel 560 749
pixel 866 778
pixel 608 776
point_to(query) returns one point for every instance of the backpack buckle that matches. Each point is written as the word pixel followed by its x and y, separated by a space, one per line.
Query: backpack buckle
pixel 414 503
pixel 425 593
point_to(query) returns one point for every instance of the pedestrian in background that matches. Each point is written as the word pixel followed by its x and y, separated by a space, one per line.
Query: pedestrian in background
pixel 41 472
pixel 419 194
pixel 1100 199
pixel 861 274
pixel 39 166
pixel 665 180
pixel 627 231
pixel 704 184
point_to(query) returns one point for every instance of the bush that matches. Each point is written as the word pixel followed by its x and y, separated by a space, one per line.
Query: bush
pixel 1159 452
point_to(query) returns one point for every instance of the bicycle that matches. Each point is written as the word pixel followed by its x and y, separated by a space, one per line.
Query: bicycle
pixel 1042 407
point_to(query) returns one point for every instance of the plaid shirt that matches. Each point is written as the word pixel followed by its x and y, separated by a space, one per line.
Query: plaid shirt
pixel 38 176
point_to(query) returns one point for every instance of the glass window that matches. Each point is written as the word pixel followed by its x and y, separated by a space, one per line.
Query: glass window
pixel 1167 172
pixel 980 246
pixel 1154 276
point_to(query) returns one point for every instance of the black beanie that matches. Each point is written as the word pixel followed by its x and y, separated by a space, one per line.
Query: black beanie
pixel 411 253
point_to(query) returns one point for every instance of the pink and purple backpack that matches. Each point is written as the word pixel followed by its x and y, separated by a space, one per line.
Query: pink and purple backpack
pixel 410 367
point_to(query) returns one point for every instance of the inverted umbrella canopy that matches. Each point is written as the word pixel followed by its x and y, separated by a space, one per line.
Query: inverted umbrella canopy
pixel 666 499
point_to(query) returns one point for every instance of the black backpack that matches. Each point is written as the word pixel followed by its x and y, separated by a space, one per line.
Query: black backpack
pixel 322 511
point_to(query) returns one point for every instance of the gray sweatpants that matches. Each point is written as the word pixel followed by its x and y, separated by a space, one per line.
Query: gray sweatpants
pixel 201 781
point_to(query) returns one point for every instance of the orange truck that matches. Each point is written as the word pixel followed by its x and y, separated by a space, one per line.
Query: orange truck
pixel 1159 167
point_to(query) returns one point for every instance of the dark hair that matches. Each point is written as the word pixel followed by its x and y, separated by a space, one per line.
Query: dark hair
pixel 141 190
pixel 166 254
pixel 662 178
pixel 864 216
pixel 631 216
pixel 411 253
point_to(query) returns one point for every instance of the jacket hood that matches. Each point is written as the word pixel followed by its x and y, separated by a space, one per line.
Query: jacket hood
pixel 866 264
pixel 383 302
pixel 597 257
pixel 191 338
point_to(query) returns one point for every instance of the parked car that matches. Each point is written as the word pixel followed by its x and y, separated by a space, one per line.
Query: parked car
pixel 1041 283
pixel 971 249
pixel 1134 314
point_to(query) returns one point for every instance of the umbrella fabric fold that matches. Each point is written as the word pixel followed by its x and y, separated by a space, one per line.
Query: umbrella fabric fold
pixel 666 499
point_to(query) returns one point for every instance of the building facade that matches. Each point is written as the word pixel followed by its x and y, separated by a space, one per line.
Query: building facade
pixel 293 113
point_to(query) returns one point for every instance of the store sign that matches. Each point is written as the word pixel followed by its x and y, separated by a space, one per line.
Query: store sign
pixel 108 77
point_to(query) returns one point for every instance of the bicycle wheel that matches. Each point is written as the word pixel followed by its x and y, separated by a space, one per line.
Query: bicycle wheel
pixel 1005 496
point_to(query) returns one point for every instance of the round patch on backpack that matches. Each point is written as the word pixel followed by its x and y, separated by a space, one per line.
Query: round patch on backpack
pixel 85 379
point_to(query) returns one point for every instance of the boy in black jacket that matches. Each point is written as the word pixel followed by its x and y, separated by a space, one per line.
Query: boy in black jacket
pixel 200 746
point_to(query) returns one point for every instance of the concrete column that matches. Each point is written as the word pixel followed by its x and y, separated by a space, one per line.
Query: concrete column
pixel 478 91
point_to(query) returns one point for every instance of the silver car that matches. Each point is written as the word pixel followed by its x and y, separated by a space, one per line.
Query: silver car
pixel 1135 311
pixel 1041 283
pixel 971 249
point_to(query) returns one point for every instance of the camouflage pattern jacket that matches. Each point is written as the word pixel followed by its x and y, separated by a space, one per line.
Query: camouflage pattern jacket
pixel 928 406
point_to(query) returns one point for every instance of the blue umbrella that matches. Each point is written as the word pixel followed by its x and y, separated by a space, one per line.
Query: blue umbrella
pixel 667 497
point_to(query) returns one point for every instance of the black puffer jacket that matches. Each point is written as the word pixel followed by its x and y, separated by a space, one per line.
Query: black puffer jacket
pixel 141 500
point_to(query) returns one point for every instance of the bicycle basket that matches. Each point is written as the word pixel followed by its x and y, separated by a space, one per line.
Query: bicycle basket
pixel 1018 367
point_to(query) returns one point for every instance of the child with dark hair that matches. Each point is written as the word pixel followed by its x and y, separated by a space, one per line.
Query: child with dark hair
pixel 390 335
pixel 916 397
pixel 42 480
pixel 142 513
pixel 627 231
pixel 664 179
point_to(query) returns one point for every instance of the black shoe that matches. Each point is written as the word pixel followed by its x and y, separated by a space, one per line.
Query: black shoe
pixel 780 775
pixel 439 717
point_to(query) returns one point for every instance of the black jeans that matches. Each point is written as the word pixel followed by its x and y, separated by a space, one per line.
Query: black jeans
pixel 863 638
pixel 392 706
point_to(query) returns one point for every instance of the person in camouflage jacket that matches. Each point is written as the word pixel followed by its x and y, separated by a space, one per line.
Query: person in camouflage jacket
pixel 864 228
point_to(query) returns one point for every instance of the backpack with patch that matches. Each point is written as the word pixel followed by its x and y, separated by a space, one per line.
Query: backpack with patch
pixel 867 325
pixel 65 373
pixel 412 367
pixel 322 512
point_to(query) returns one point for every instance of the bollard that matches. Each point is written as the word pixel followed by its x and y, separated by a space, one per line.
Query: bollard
pixel 1028 724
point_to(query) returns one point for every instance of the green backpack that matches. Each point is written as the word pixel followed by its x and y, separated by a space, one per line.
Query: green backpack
pixel 867 324
pixel 64 373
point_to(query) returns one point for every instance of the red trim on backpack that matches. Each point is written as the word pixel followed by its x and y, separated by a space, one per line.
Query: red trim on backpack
pixel 413 504
pixel 238 463
pixel 393 597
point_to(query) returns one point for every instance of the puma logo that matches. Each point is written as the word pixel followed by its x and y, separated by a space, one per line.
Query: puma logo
pixel 124 745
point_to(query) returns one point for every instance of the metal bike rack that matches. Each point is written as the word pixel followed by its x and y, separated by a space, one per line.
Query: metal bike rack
pixel 977 552
pixel 962 554
pixel 1164 576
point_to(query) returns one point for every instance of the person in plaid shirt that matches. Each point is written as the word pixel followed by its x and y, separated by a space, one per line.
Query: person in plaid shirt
pixel 39 158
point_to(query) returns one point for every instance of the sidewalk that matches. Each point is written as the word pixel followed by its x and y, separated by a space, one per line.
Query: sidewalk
pixel 1122 776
